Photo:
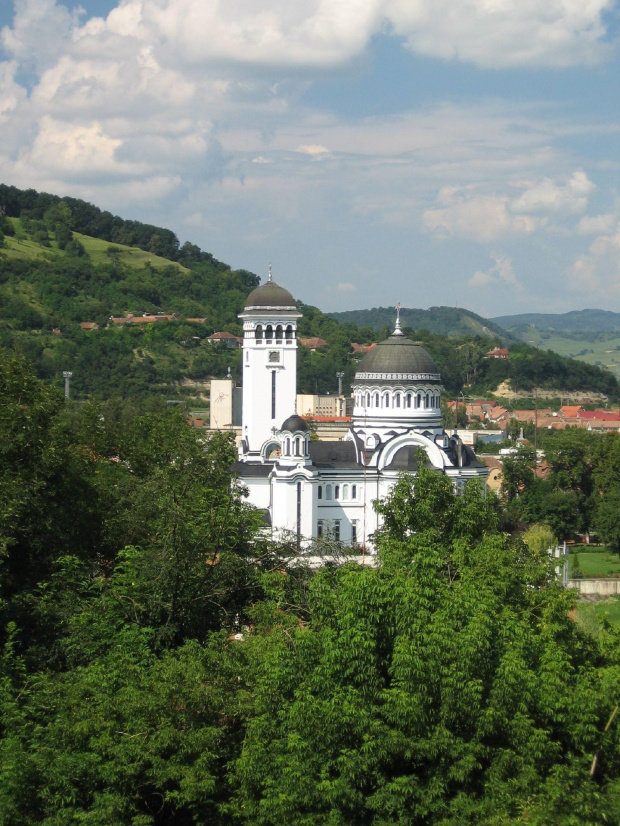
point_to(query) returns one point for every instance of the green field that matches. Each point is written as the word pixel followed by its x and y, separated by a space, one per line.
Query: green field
pixel 599 563
pixel 590 614
pixel 20 246
pixel 602 349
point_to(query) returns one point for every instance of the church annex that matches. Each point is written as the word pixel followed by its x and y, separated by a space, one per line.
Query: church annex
pixel 312 489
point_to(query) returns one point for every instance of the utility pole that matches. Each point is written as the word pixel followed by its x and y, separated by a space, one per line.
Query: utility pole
pixel 67 375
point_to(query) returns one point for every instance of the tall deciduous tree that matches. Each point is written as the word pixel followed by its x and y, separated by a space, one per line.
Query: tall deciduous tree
pixel 449 686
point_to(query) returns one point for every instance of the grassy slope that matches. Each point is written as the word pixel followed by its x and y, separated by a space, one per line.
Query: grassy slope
pixel 21 247
pixel 597 564
pixel 590 614
pixel 52 353
pixel 600 350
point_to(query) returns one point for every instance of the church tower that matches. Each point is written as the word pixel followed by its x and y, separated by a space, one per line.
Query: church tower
pixel 269 366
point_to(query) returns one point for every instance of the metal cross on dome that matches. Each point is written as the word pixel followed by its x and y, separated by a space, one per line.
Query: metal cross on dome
pixel 397 330
pixel 269 276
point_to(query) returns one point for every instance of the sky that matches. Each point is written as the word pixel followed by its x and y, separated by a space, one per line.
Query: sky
pixel 432 152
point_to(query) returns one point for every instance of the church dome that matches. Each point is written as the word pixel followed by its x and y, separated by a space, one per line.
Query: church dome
pixel 397 359
pixel 295 423
pixel 270 296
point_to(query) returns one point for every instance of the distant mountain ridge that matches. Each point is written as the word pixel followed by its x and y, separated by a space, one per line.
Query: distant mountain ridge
pixel 447 321
pixel 576 321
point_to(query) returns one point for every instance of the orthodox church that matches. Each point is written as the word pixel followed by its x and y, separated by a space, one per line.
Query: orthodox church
pixel 313 489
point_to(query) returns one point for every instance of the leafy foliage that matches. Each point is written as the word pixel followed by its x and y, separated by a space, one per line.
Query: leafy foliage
pixel 162 664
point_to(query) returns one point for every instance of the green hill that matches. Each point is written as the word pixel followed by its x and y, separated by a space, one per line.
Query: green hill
pixel 447 321
pixel 577 321
pixel 55 275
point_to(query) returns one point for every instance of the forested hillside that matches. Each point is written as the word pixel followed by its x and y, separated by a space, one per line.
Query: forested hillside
pixel 446 321
pixel 54 278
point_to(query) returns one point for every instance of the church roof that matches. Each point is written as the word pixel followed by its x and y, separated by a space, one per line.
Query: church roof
pixel 295 423
pixel 270 296
pixel 248 469
pixel 333 455
pixel 407 459
pixel 395 358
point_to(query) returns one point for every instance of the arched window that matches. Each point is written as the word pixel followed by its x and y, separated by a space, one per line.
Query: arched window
pixel 367 399
pixel 353 491
pixel 287 447
pixel 336 491
pixel 328 492
pixel 397 400
pixel 258 334
pixel 427 403
pixel 268 333
pixel 386 399
pixel 279 333
pixel 408 400
pixel 418 400
pixel 298 446
pixel 320 492
pixel 289 332
pixel 376 400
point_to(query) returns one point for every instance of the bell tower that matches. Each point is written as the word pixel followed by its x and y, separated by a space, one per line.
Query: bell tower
pixel 269 366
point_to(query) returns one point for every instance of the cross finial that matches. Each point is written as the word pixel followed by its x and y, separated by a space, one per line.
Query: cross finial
pixel 397 330
pixel 269 276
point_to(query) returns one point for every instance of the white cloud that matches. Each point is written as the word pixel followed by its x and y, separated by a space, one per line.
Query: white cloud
pixel 596 224
pixel 276 33
pixel 346 287
pixel 465 212
pixel 74 152
pixel 501 272
pixel 481 217
pixel 548 196
pixel 314 149
pixel 41 31
pixel 504 33
pixel 597 273
pixel 11 93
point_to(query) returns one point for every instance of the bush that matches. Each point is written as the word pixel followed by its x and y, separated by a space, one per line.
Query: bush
pixel 75 249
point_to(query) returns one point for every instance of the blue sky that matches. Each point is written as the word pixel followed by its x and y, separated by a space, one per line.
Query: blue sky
pixel 423 151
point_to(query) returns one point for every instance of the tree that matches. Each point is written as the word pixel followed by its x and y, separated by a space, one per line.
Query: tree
pixel 439 688
pixel 517 473
pixel 539 538
pixel 47 502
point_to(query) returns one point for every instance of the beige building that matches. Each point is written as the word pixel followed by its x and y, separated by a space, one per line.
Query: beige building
pixel 225 405
pixel 335 406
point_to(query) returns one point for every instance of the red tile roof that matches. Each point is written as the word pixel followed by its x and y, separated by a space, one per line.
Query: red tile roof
pixel 313 343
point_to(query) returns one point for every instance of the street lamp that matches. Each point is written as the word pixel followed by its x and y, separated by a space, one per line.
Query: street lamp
pixel 67 375
pixel 340 376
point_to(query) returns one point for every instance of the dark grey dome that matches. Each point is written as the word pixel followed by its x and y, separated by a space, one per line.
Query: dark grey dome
pixel 270 296
pixel 397 358
pixel 295 423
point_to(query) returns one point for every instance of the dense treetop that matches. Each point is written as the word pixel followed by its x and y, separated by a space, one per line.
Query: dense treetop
pixel 163 663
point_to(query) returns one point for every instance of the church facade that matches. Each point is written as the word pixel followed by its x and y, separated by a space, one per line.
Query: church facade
pixel 313 489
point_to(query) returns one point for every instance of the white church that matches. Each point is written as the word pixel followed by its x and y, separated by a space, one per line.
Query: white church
pixel 313 489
